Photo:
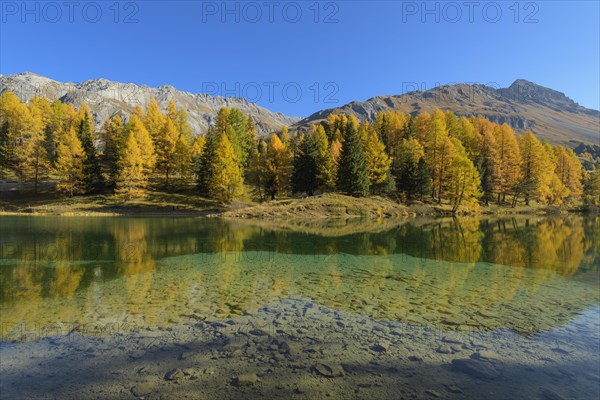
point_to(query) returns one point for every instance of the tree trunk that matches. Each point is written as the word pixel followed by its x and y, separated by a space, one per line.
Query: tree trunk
pixel 460 197
pixel 35 184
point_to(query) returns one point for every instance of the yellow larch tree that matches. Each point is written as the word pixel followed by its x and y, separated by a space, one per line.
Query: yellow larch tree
pixel 378 162
pixel 113 138
pixel 131 179
pixel 165 148
pixel 225 183
pixel 154 120
pixel 144 142
pixel 278 165
pixel 439 152
pixel 36 161
pixel 569 170
pixel 536 168
pixel 391 127
pixel 16 125
pixel 508 161
pixel 490 166
pixel 69 164
pixel 463 184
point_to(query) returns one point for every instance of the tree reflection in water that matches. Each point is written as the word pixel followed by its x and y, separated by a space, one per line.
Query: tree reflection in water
pixel 526 273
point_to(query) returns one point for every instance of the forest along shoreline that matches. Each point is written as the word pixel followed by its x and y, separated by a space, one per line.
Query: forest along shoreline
pixel 56 159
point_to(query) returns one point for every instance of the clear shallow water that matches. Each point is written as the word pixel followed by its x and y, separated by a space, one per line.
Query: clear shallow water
pixel 527 285
pixel 528 275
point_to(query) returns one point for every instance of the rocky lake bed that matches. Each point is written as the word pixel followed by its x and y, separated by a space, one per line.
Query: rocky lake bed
pixel 298 349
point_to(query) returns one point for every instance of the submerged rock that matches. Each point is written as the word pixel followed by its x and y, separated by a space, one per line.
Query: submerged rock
pixel 452 340
pixel 287 347
pixel 485 355
pixel 475 368
pixel 142 389
pixel 328 370
pixel 380 347
pixel 245 380
pixel 185 355
pixel 174 375
pixel 258 332
pixel 236 343
pixel 453 389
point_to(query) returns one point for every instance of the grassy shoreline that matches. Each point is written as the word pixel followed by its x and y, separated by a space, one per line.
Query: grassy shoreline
pixel 327 206
pixel 155 203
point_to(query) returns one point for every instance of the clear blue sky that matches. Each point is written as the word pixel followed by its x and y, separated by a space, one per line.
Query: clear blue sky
pixel 352 50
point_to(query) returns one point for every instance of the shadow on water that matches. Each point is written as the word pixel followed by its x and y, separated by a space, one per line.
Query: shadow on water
pixel 209 355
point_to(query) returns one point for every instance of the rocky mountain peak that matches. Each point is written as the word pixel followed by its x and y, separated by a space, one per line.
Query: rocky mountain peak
pixel 107 98
pixel 523 105
pixel 524 91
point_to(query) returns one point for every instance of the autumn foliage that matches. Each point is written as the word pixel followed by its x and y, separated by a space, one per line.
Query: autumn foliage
pixel 440 157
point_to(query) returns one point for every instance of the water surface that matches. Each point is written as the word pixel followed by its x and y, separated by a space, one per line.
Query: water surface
pixel 528 278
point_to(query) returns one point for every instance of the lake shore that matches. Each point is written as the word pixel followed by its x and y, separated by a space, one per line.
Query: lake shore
pixel 327 206
pixel 154 204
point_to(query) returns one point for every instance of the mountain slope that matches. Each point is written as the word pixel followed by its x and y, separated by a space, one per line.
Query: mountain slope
pixel 524 105
pixel 551 115
pixel 107 98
